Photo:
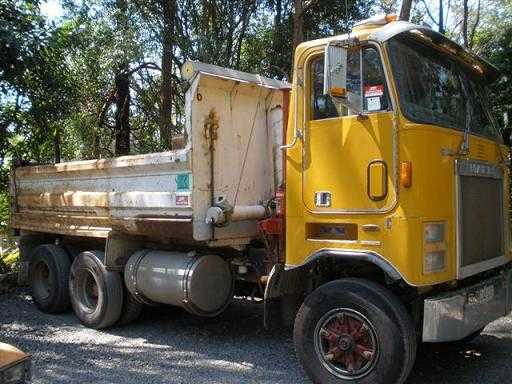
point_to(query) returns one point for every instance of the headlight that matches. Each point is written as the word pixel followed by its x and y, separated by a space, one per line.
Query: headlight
pixel 15 374
pixel 435 247
pixel 434 261
pixel 435 232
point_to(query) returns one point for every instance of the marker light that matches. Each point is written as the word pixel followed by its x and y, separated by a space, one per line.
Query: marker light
pixel 338 92
pixel 390 18
pixel 406 174
pixel 377 20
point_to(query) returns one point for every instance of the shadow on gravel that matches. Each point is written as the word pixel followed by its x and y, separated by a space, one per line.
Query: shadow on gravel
pixel 486 360
pixel 167 345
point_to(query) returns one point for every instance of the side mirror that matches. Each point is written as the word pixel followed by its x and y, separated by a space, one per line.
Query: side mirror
pixel 506 132
pixel 335 71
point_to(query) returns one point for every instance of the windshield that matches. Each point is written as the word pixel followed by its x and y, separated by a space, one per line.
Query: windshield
pixel 435 89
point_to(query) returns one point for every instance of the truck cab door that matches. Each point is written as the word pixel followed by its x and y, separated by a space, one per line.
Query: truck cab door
pixel 348 162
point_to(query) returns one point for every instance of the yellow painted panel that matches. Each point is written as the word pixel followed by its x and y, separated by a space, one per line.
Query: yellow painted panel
pixel 431 198
pixel 336 159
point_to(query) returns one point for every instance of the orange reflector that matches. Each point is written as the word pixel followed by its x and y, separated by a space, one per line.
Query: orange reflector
pixel 406 174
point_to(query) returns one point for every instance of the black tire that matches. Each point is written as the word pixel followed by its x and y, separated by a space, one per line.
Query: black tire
pixel 131 309
pixel 332 351
pixel 72 251
pixel 96 294
pixel 48 278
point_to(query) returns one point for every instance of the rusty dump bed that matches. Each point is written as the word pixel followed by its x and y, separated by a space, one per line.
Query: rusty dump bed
pixel 234 128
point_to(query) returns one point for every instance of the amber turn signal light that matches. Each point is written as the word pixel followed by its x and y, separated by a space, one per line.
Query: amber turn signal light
pixel 406 174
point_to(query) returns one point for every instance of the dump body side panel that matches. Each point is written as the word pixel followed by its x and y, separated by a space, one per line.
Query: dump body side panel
pixel 135 194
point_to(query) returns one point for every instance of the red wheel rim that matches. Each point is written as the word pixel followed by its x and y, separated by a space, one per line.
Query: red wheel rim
pixel 346 343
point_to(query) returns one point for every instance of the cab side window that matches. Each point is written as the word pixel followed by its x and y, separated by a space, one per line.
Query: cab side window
pixel 374 82
pixel 366 86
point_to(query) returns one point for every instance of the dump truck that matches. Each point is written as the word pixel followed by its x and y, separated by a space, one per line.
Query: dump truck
pixel 365 204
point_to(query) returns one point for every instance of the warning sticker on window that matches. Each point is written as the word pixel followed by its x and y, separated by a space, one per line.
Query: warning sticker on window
pixel 373 90
pixel 373 103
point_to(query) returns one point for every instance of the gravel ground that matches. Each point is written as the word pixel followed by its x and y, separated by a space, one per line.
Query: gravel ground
pixel 168 345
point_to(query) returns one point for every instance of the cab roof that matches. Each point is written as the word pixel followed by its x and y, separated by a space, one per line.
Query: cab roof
pixel 382 33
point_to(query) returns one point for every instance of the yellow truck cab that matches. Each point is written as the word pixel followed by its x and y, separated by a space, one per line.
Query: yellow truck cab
pixel 398 177
pixel 366 204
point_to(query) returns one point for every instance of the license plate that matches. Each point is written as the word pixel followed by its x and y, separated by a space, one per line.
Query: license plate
pixel 482 295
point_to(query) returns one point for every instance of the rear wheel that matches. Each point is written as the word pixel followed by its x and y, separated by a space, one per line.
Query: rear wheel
pixel 354 331
pixel 96 294
pixel 131 309
pixel 48 278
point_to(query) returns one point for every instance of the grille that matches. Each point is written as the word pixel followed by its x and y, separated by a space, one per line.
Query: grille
pixel 481 211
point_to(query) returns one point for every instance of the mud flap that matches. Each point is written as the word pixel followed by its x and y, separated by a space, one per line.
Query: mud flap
pixel 283 296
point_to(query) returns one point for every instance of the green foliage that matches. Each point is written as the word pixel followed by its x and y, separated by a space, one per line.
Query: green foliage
pixel 4 209
pixel 495 43
pixel 8 261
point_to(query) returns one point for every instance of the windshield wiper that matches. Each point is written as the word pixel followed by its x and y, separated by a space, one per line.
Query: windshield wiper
pixel 464 146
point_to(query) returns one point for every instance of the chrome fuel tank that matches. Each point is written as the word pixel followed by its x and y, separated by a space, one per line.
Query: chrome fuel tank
pixel 201 284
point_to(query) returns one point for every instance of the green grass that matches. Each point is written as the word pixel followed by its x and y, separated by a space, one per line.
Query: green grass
pixel 8 261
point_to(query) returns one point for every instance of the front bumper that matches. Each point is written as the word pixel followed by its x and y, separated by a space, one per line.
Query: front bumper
pixel 454 315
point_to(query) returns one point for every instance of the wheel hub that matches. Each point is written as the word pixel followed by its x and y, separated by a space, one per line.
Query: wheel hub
pixel 88 291
pixel 346 343
pixel 42 281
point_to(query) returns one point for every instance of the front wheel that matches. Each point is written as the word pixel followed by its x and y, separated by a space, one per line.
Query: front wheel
pixel 354 331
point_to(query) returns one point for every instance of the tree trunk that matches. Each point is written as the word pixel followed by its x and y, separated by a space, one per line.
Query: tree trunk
pixel 96 153
pixel 471 38
pixel 298 23
pixel 465 16
pixel 3 140
pixel 441 17
pixel 122 87
pixel 165 115
pixel 56 146
pixel 279 13
pixel 405 11
pixel 122 128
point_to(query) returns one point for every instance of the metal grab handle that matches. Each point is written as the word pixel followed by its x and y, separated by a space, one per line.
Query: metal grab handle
pixel 298 135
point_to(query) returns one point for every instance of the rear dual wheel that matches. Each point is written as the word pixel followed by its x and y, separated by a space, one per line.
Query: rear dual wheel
pixel 98 296
pixel 354 331
pixel 95 293
pixel 48 278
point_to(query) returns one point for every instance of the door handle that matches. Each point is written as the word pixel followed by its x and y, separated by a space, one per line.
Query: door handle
pixel 377 180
